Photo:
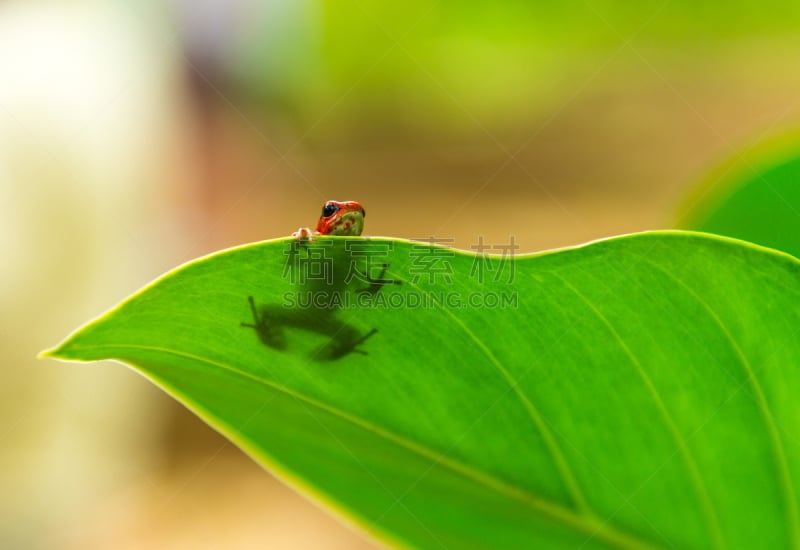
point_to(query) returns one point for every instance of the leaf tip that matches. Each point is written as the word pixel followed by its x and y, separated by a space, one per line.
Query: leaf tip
pixel 63 351
pixel 55 352
pixel 47 354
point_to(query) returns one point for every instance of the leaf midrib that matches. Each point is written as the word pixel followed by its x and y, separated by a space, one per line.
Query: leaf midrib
pixel 588 524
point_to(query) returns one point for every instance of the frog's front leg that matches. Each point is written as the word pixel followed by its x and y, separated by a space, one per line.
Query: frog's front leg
pixel 376 284
pixel 304 234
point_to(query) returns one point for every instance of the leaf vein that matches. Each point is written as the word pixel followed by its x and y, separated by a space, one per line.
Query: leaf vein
pixel 782 463
pixel 569 518
pixel 689 461
pixel 565 470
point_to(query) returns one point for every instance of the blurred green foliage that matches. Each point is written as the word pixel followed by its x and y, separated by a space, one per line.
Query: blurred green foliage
pixel 420 61
pixel 755 196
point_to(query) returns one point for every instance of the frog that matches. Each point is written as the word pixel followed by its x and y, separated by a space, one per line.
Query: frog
pixel 271 321
pixel 338 218
pixel 344 218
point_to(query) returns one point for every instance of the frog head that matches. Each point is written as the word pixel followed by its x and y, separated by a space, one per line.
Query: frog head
pixel 341 218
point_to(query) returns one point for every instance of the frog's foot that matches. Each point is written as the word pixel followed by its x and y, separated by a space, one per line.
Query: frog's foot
pixel 270 334
pixel 254 311
pixel 376 284
pixel 304 234
pixel 346 347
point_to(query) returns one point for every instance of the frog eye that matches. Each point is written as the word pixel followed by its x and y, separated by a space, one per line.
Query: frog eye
pixel 329 210
pixel 363 213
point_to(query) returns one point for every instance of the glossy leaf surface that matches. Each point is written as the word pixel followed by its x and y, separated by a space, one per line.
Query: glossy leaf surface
pixel 635 392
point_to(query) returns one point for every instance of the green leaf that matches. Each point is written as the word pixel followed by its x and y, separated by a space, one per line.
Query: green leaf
pixel 636 392
pixel 755 196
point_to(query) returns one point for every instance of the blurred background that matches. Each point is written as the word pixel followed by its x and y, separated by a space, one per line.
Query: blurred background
pixel 135 136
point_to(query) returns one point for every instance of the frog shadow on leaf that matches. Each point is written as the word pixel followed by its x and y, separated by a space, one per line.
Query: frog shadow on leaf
pixel 313 271
pixel 271 322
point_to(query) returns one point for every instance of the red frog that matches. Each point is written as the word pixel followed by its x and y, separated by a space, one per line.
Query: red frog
pixel 338 218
